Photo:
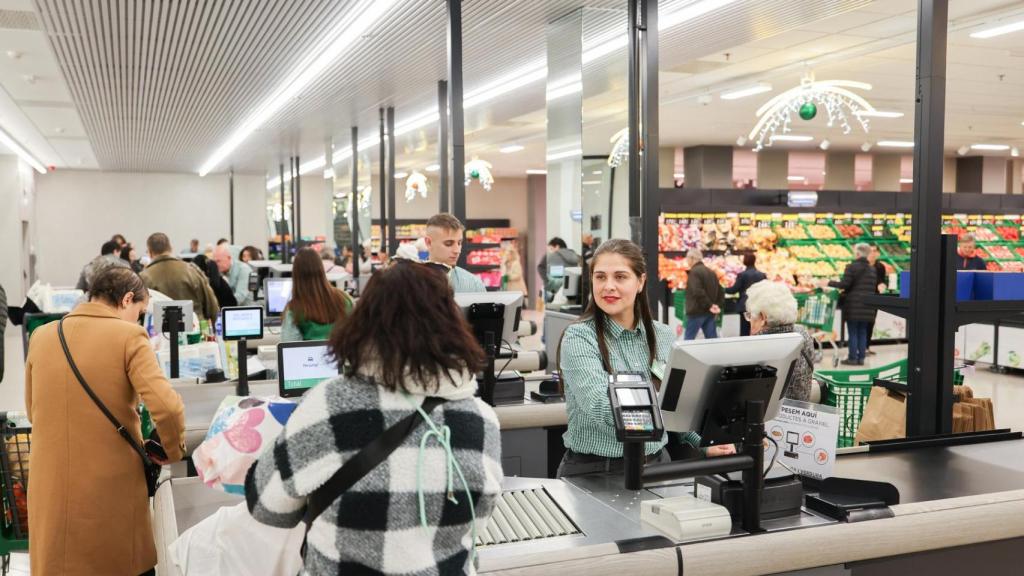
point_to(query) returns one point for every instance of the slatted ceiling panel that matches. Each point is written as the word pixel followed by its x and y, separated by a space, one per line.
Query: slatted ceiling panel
pixel 160 83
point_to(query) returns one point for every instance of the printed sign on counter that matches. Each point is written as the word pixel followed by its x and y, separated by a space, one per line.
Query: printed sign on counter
pixel 806 435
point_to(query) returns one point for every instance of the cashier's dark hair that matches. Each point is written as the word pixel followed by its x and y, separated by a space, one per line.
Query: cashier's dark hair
pixel 407 325
pixel 111 285
pixel 635 257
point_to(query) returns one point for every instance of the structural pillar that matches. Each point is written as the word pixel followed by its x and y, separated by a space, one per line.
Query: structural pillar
pixel 708 166
pixel 772 169
pixel 840 171
pixel 885 172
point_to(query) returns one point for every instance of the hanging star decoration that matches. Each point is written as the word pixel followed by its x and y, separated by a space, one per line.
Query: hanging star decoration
pixel 806 100
pixel 477 169
pixel 415 184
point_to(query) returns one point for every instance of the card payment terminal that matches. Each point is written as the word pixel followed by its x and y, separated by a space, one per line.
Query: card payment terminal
pixel 635 410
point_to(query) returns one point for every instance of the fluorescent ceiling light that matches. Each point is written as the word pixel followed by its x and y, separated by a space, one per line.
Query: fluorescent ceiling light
pixel 591 182
pixel 524 76
pixel 792 138
pixel 536 171
pixel 510 148
pixel 906 180
pixel 796 178
pixel 679 175
pixel 879 114
pixel 433 168
pixel 896 144
pixel 351 28
pixel 991 147
pixel 998 30
pixel 8 141
pixel 760 88
pixel 399 175
pixel 564 155
pixel 596 172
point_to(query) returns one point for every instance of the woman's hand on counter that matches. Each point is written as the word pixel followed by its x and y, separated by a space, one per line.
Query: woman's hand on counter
pixel 722 450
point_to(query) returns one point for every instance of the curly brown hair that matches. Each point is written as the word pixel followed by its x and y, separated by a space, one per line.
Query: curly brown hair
pixel 407 325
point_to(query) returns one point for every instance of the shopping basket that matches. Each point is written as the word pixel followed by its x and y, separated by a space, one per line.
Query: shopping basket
pixel 816 310
pixel 679 304
pixel 15 446
pixel 848 391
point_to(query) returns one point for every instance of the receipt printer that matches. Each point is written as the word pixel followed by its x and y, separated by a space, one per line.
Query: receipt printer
pixel 782 496
pixel 686 518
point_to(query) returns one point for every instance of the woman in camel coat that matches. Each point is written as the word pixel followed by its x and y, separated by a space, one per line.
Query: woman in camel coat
pixel 87 502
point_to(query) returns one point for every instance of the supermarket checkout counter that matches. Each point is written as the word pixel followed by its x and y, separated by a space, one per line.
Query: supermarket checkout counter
pixel 959 505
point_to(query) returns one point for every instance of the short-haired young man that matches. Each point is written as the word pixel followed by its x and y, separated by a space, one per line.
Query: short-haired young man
pixel 444 244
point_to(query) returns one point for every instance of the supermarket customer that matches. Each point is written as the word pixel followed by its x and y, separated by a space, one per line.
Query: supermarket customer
pixel 882 275
pixel 968 258
pixel 704 297
pixel 744 280
pixel 771 309
pixel 404 348
pixel 444 243
pixel 89 513
pixel 316 305
pixel 858 282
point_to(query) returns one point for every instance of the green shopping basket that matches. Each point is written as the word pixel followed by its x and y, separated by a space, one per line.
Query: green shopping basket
pixel 848 391
pixel 679 304
pixel 15 446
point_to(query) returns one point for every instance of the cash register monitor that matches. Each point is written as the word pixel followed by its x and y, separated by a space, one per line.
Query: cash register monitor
pixel 513 302
pixel 703 378
pixel 278 292
pixel 186 315
pixel 303 365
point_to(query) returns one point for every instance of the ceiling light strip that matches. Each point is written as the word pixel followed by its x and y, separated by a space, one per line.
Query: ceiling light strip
pixel 9 141
pixel 350 29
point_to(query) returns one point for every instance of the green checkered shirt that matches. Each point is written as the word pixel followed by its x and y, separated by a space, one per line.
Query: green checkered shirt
pixel 591 428
pixel 465 281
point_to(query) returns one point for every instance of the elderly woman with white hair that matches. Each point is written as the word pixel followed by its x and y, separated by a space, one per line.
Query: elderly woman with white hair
pixel 771 309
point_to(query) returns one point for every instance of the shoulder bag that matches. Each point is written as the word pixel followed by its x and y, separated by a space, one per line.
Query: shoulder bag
pixel 150 469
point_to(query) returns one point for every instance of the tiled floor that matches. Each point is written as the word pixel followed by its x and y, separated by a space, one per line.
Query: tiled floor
pixel 19 565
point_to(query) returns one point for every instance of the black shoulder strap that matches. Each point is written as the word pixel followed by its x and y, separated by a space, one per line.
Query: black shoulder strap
pixel 358 466
pixel 99 404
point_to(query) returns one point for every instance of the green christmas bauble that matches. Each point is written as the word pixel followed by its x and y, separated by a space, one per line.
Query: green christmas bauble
pixel 808 111
pixel 474 174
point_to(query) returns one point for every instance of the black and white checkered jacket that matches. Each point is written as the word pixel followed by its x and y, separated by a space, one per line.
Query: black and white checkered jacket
pixel 375 528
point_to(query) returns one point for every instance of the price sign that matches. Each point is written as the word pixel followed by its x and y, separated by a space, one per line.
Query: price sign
pixel 806 435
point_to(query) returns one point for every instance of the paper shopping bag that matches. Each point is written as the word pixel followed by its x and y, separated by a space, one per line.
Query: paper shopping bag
pixel 885 416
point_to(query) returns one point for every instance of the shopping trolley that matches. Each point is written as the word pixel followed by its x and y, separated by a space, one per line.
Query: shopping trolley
pixel 816 310
pixel 15 446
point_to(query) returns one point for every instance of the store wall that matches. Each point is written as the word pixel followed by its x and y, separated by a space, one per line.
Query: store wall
pixel 10 230
pixel 506 200
pixel 78 210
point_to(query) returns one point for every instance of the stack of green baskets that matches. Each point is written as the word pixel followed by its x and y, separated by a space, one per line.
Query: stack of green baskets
pixel 848 391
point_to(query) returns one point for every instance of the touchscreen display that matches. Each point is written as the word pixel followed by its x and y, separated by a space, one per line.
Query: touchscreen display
pixel 279 292
pixel 243 323
pixel 303 367
pixel 633 397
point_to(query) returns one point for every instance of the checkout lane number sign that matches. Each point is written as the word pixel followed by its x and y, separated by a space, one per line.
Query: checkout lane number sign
pixel 807 435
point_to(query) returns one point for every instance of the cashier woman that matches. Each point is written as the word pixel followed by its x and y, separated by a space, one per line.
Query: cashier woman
pixel 615 332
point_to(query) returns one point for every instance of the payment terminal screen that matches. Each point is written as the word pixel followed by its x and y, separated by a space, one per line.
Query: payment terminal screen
pixel 279 293
pixel 243 323
pixel 303 367
pixel 633 397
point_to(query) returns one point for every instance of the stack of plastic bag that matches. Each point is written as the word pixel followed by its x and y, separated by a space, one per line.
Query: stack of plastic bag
pixel 241 430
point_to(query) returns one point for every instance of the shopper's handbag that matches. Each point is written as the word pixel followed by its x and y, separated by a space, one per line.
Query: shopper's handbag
pixel 150 469
pixel 361 464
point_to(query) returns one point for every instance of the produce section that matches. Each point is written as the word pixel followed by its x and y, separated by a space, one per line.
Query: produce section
pixel 800 248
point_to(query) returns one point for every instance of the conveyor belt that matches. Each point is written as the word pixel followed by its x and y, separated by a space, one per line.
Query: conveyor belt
pixel 522 515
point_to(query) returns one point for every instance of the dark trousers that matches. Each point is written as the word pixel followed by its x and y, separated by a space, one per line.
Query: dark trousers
pixel 702 323
pixel 744 325
pixel 576 464
pixel 857 339
pixel 871 330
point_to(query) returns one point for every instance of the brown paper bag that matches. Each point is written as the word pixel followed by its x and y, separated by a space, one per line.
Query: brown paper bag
pixel 885 416
pixel 983 414
pixel 963 417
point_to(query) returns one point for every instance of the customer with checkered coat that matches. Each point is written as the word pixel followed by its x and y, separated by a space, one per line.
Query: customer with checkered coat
pixel 405 341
